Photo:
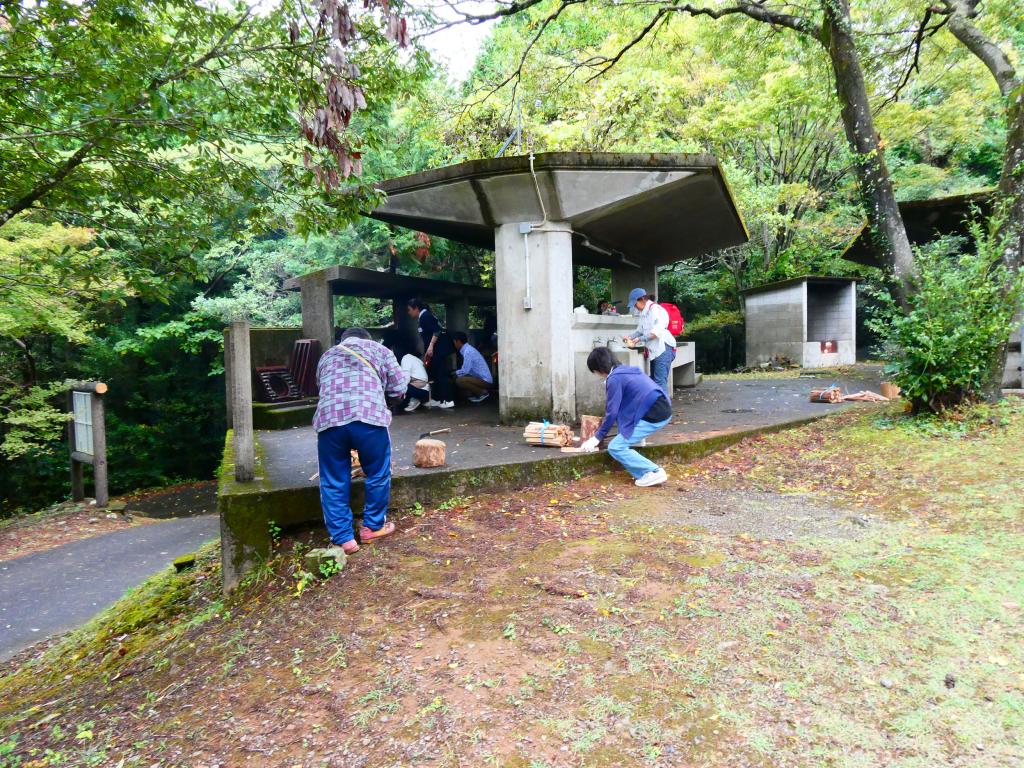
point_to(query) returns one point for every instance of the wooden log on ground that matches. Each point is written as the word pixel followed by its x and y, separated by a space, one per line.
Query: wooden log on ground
pixel 428 453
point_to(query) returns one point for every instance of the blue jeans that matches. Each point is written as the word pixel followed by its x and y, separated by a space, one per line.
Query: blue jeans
pixel 621 449
pixel 661 369
pixel 373 445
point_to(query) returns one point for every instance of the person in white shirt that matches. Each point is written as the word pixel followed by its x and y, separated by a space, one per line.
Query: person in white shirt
pixel 652 329
pixel 418 391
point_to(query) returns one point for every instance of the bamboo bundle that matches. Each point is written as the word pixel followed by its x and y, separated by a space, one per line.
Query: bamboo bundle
pixel 552 435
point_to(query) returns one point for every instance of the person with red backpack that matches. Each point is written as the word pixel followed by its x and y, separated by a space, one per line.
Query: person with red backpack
pixel 653 329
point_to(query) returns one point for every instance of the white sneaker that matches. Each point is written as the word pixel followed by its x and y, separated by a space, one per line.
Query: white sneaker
pixel 480 398
pixel 446 404
pixel 652 478
pixel 432 403
pixel 413 405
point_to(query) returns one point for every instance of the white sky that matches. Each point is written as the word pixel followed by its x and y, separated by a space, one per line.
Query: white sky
pixel 456 47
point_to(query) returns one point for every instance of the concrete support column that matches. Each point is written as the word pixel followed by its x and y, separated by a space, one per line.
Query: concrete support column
pixel 457 315
pixel 317 309
pixel 241 402
pixel 625 278
pixel 533 276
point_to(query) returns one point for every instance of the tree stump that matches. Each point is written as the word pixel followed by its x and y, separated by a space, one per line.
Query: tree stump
pixel 428 453
pixel 588 427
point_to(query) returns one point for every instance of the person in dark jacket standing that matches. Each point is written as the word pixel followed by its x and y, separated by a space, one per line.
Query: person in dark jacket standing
pixel 437 346
pixel 638 405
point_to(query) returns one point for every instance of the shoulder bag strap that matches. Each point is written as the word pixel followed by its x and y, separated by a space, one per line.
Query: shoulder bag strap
pixel 364 361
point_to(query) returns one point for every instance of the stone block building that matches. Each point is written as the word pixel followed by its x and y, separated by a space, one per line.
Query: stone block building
pixel 811 321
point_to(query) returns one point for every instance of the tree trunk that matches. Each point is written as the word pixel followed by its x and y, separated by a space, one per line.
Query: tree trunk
pixel 887 229
pixel 1011 183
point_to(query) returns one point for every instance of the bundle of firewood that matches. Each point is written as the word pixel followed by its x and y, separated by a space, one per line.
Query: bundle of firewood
pixel 552 435
pixel 829 395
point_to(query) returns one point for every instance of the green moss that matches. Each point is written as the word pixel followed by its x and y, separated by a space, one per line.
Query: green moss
pixel 149 613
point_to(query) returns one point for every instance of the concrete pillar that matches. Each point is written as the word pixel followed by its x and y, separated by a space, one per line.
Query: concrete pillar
pixel 241 402
pixel 317 309
pixel 533 277
pixel 625 278
pixel 456 313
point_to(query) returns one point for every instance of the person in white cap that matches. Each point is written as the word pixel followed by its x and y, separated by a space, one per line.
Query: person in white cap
pixel 652 329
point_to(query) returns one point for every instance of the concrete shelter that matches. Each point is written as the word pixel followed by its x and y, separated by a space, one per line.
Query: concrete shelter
pixel 629 213
pixel 319 289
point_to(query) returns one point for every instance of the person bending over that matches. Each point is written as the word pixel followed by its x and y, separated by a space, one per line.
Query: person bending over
pixel 474 378
pixel 418 391
pixel 640 408
pixel 355 378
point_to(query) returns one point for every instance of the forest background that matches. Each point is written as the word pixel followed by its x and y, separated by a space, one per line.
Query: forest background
pixel 181 199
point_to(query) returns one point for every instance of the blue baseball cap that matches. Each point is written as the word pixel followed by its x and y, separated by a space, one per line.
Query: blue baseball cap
pixel 634 296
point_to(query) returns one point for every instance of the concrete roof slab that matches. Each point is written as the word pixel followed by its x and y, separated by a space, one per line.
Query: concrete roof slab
pixel 368 283
pixel 649 208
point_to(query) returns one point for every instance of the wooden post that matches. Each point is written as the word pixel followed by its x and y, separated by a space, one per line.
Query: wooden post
pixel 95 452
pixel 241 402
pixel 99 449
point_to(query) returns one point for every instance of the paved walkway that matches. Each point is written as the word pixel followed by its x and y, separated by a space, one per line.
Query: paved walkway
pixel 477 440
pixel 50 592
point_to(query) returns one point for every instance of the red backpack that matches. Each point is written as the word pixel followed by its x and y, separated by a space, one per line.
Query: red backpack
pixel 676 324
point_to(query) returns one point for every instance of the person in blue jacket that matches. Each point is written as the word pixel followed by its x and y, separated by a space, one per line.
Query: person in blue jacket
pixel 638 405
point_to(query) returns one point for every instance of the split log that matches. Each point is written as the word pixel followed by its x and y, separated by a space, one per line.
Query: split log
pixel 866 396
pixel 589 426
pixel 428 453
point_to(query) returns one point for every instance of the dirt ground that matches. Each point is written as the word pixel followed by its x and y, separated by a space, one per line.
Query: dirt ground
pixel 844 594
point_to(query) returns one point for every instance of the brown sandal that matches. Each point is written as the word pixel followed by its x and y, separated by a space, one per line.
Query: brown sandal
pixel 365 534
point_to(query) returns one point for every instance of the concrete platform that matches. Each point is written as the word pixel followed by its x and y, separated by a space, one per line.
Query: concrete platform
pixel 485 456
pixel 478 440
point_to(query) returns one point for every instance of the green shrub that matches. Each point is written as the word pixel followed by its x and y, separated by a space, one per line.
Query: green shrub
pixel 947 348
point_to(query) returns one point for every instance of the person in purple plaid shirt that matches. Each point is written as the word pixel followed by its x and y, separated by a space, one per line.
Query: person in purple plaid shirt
pixel 355 378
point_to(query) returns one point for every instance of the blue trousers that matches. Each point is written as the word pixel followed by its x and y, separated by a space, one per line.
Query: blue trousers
pixel 661 369
pixel 622 451
pixel 373 445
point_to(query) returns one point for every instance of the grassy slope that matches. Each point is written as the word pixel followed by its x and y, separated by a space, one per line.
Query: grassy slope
pixel 561 627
